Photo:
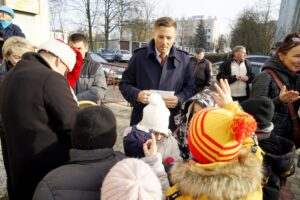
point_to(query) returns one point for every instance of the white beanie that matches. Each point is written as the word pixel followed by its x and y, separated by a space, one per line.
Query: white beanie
pixel 61 50
pixel 156 114
pixel 131 179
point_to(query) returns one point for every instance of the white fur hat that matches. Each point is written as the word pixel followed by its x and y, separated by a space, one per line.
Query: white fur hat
pixel 61 50
pixel 156 114
pixel 131 179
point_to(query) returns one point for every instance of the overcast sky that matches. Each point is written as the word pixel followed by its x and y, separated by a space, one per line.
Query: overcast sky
pixel 226 11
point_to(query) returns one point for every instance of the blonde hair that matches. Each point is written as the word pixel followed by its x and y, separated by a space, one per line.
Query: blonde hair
pixel 165 21
pixel 16 45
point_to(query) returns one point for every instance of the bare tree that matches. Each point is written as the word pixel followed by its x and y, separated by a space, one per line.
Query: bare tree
pixel 89 9
pixel 141 21
pixel 110 18
pixel 57 20
pixel 124 9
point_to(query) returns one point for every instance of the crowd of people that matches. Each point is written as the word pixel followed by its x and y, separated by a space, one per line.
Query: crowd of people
pixel 184 140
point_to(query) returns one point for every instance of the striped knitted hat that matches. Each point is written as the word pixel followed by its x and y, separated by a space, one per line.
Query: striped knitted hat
pixel 216 135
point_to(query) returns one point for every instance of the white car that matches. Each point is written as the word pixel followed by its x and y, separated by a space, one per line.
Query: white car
pixel 122 55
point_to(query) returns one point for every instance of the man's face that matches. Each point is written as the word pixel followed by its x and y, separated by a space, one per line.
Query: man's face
pixel 200 55
pixel 80 47
pixel 164 38
pixel 240 55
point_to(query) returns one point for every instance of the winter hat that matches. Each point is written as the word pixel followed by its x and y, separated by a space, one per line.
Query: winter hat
pixel 61 50
pixel 216 135
pixel 95 128
pixel 133 142
pixel 262 109
pixel 156 114
pixel 131 179
pixel 8 10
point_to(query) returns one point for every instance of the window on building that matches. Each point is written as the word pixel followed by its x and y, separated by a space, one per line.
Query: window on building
pixel 208 30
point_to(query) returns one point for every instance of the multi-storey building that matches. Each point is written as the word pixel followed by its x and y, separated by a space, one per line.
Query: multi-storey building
pixel 186 30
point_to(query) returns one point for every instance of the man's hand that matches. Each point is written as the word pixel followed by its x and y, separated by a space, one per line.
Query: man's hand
pixel 143 96
pixel 150 147
pixel 244 78
pixel 171 101
pixel 223 95
pixel 288 96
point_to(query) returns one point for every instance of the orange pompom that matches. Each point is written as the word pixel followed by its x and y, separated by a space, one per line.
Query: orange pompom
pixel 243 125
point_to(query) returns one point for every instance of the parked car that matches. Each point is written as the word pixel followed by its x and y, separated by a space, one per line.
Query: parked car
pixel 106 54
pixel 113 74
pixel 257 62
pixel 122 55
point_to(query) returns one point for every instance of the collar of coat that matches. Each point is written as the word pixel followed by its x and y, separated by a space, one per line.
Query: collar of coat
pixel 173 52
pixel 78 155
pixel 233 180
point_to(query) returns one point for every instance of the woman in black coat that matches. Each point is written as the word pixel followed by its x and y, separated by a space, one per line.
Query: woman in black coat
pixel 286 65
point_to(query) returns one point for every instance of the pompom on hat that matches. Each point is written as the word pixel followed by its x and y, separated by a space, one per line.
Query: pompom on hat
pixel 61 50
pixel 7 10
pixel 216 135
pixel 131 179
pixel 156 114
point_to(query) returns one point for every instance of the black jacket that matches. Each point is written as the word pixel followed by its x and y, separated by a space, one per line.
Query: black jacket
pixel 144 72
pixel 265 85
pixel 38 112
pixel 81 178
pixel 225 73
pixel 201 72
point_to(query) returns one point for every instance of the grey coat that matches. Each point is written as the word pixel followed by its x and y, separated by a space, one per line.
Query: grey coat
pixel 81 179
pixel 91 84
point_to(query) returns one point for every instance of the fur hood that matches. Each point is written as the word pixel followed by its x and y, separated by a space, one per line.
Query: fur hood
pixel 234 180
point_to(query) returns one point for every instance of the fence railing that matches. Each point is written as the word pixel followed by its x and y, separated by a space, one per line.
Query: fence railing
pixel 113 73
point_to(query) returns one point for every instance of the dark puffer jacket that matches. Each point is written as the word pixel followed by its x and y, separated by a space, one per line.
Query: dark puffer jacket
pixel 264 85
pixel 81 179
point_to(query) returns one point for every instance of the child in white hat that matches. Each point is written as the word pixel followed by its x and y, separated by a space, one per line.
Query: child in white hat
pixel 155 120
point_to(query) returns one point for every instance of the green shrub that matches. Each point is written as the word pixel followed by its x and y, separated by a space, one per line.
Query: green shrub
pixel 216 57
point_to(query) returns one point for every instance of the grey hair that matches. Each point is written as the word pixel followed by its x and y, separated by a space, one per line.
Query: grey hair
pixel 237 48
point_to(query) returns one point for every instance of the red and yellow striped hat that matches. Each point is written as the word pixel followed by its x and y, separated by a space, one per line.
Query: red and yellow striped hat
pixel 216 135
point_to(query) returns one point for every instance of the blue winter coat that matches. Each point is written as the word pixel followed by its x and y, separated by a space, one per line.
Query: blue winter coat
pixel 11 30
pixel 144 72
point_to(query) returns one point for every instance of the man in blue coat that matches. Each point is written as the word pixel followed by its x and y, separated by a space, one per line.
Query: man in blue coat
pixel 159 66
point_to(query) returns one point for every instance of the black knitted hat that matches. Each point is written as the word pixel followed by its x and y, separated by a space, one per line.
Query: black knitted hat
pixel 262 109
pixel 95 128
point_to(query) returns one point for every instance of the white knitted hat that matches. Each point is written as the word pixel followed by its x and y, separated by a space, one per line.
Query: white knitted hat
pixel 61 50
pixel 156 114
pixel 131 179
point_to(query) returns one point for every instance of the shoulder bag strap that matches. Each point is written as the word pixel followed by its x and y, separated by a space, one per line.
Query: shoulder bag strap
pixel 290 105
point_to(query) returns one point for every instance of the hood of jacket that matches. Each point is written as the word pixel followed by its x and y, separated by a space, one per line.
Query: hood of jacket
pixel 233 180
pixel 276 65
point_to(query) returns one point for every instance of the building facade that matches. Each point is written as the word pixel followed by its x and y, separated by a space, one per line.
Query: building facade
pixel 289 18
pixel 186 30
pixel 33 18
